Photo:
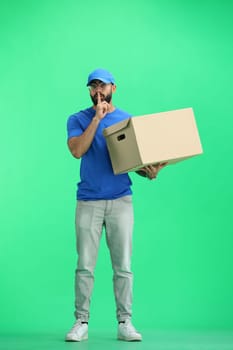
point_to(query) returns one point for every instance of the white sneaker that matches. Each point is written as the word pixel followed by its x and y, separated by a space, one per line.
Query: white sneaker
pixel 78 332
pixel 127 332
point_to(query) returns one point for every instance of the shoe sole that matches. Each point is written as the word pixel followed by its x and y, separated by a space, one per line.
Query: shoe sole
pixel 76 340
pixel 129 339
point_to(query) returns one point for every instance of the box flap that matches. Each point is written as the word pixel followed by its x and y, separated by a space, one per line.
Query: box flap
pixel 116 127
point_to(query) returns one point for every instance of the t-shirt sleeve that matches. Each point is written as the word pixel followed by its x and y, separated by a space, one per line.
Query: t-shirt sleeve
pixel 74 127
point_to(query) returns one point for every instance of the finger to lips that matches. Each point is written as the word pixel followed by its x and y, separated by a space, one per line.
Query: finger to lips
pixel 98 98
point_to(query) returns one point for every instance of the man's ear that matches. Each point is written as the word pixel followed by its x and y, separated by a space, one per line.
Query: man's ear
pixel 114 88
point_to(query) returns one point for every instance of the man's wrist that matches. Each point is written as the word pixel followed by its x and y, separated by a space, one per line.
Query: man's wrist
pixel 96 119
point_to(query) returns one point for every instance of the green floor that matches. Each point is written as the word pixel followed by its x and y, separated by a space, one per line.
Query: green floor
pixel 100 339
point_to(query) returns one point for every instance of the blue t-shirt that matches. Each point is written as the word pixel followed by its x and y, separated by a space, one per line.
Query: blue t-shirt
pixel 97 178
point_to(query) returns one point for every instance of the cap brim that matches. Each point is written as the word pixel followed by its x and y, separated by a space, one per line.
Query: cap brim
pixel 101 79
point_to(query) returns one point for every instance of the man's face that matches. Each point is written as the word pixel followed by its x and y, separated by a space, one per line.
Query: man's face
pixel 104 90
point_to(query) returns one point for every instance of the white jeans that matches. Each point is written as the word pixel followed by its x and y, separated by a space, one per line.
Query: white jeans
pixel 117 218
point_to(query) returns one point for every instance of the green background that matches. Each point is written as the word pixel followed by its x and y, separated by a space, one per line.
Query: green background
pixel 164 55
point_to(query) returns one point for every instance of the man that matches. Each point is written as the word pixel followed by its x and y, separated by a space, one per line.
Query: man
pixel 103 201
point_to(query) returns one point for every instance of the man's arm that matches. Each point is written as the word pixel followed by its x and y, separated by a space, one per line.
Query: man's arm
pixel 79 145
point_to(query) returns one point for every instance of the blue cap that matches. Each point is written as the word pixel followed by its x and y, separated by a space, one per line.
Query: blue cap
pixel 102 75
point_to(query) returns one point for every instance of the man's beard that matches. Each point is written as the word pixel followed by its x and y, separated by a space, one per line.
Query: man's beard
pixel 107 98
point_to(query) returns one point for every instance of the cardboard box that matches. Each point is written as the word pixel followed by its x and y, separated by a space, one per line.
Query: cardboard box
pixel 154 138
